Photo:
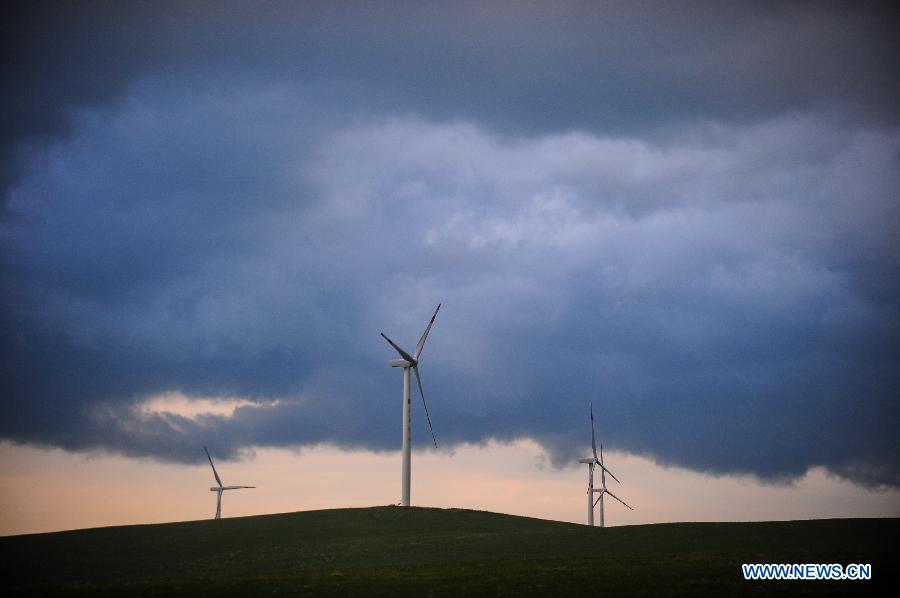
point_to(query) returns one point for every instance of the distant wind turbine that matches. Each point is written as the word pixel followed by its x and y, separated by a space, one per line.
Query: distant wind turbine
pixel 220 488
pixel 411 362
pixel 603 471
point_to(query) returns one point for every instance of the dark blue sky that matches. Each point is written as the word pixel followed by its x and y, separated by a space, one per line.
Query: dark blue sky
pixel 687 214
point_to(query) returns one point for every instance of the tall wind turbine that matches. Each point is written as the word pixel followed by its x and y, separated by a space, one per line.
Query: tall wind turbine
pixel 220 488
pixel 591 463
pixel 411 362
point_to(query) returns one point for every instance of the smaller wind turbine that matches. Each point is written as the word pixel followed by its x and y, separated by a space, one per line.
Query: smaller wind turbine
pixel 220 488
pixel 603 471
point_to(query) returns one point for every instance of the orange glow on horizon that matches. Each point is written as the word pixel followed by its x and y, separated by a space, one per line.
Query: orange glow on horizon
pixel 51 489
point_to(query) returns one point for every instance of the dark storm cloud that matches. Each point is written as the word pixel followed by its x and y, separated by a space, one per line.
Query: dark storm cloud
pixel 613 67
pixel 688 215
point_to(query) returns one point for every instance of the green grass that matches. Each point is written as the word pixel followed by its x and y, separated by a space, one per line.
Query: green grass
pixel 384 551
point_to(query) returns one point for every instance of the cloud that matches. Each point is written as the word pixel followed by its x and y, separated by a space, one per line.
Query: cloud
pixel 720 294
pixel 612 68
pixel 688 218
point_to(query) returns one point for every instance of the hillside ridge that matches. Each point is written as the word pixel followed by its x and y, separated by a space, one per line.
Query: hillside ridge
pixel 452 552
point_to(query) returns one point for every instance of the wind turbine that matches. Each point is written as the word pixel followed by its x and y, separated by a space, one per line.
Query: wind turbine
pixel 410 362
pixel 591 463
pixel 220 488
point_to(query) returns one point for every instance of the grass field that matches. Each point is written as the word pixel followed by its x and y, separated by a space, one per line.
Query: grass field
pixel 384 551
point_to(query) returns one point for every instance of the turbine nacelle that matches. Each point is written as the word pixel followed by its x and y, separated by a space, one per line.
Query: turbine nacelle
pixel 399 363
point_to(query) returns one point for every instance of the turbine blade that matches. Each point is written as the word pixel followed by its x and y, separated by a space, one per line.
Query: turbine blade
pixel 421 344
pixel 403 354
pixel 593 433
pixel 619 499
pixel 215 473
pixel 602 466
pixel 602 469
pixel 422 394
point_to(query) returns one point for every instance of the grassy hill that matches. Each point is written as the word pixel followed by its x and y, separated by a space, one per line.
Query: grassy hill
pixel 384 551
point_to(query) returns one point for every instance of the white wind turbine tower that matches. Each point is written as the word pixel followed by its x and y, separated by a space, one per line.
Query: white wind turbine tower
pixel 411 362
pixel 220 488
pixel 603 471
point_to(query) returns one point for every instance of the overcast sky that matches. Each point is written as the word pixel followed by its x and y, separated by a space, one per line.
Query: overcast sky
pixel 686 213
